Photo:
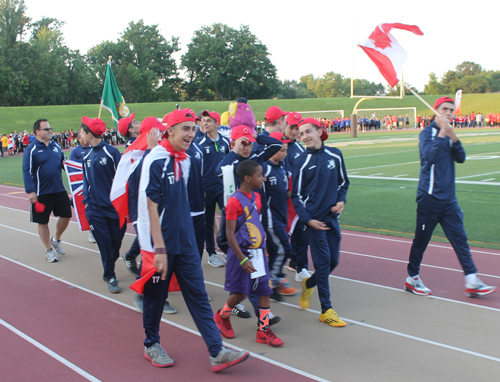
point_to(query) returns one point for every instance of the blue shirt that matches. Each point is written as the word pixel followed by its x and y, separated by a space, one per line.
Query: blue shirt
pixel 79 152
pixel 319 182
pixel 437 163
pixel 99 168
pixel 213 153
pixel 293 152
pixel 42 167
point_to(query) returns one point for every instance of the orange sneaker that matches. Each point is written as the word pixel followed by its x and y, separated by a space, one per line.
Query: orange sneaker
pixel 285 288
pixel 268 337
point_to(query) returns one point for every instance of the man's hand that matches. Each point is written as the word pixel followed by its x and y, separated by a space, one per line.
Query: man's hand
pixel 32 197
pixel 153 138
pixel 317 225
pixel 248 267
pixel 160 264
pixel 338 208
pixel 239 144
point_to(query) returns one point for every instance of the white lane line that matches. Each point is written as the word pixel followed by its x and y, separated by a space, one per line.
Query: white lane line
pixel 15 197
pixel 258 356
pixel 372 155
pixel 416 179
pixel 474 176
pixel 395 176
pixel 487 180
pixel 386 165
pixel 406 262
pixel 380 173
pixel 51 353
pixel 409 242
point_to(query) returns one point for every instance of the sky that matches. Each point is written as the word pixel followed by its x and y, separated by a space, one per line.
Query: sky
pixel 313 37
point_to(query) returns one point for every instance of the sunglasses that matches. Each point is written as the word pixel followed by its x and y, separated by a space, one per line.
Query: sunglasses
pixel 46 129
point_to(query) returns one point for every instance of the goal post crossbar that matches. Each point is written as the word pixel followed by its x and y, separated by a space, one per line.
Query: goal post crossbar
pixel 322 111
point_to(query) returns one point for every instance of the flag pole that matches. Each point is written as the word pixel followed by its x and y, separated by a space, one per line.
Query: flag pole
pixel 100 106
pixel 421 99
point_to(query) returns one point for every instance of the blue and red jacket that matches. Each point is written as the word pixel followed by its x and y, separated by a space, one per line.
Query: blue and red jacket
pixel 213 153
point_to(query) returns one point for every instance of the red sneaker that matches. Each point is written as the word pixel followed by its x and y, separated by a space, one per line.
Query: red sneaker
pixel 268 337
pixel 224 325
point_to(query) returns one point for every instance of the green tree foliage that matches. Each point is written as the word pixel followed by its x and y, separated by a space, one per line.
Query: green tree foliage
pixel 468 76
pixel 228 63
pixel 13 23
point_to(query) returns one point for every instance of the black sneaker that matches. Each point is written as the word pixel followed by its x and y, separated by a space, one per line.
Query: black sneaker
pixel 240 311
pixel 131 264
pixel 276 296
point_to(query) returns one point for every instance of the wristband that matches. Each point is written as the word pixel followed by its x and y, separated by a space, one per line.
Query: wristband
pixel 243 261
pixel 160 251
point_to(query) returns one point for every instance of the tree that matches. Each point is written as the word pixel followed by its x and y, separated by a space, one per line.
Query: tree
pixel 474 84
pixel 13 22
pixel 434 87
pixel 468 68
pixel 230 63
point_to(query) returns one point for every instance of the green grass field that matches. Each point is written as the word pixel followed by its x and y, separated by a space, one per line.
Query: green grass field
pixel 383 168
pixel 69 117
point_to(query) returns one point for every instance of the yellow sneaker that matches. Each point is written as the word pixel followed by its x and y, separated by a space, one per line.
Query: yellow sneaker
pixel 331 318
pixel 305 297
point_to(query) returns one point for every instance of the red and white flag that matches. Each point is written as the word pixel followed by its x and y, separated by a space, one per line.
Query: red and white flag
pixel 74 171
pixel 385 51
pixel 128 163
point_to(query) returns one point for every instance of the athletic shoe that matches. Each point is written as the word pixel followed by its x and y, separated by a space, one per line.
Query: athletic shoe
pixel 224 258
pixel 167 308
pixel 113 286
pixel 292 266
pixel 240 311
pixel 268 337
pixel 331 318
pixel 214 261
pixel 276 296
pixel 56 244
pixel 415 285
pixel 224 325
pixel 158 356
pixel 305 297
pixel 139 302
pixel 228 357
pixel 478 289
pixel 285 288
pixel 91 237
pixel 131 264
pixel 303 274
pixel 50 256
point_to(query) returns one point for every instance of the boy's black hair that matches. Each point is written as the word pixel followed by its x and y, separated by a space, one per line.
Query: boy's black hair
pixel 246 168
pixel 87 130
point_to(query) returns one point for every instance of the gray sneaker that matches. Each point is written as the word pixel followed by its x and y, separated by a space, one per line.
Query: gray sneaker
pixel 214 261
pixel 228 357
pixel 168 309
pixel 158 356
pixel 56 244
pixel 51 256
pixel 113 285
pixel 138 302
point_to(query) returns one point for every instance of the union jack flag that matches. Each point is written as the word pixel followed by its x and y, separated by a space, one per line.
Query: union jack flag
pixel 74 171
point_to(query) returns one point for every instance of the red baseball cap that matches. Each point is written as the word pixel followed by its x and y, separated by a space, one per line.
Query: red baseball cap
pixel 149 123
pixel 315 122
pixel 96 125
pixel 442 100
pixel 293 118
pixel 273 113
pixel 211 114
pixel 280 137
pixel 124 123
pixel 179 116
pixel 242 131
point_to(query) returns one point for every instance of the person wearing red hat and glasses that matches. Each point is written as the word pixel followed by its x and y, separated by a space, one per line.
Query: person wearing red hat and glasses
pixel 437 203
pixel 99 168
pixel 164 215
pixel 43 161
pixel 129 128
pixel 319 193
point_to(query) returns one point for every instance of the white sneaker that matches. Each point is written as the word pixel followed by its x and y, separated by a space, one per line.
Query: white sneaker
pixel 91 237
pixel 302 275
pixel 50 256
pixel 214 261
pixel 416 286
pixel 56 244
pixel 478 289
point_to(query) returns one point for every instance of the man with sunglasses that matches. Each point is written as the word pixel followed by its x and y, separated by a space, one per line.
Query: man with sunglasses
pixel 43 161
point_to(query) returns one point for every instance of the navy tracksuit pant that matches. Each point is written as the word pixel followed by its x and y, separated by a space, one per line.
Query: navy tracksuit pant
pixel 430 212
pixel 300 243
pixel 135 249
pixel 211 200
pixel 108 235
pixel 279 249
pixel 325 248
pixel 187 268
pixel 199 229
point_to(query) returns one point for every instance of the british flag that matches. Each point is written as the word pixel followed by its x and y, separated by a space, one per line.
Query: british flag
pixel 74 172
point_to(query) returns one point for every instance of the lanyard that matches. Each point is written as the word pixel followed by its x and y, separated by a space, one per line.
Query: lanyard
pixel 216 146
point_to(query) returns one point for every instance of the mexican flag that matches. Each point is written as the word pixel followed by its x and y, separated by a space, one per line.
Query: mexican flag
pixel 112 99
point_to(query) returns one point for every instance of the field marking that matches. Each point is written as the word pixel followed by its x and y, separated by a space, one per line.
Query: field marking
pixel 182 327
pixel 395 176
pixel 372 155
pixel 474 176
pixel 385 165
pixel 487 180
pixel 416 179
pixel 57 357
